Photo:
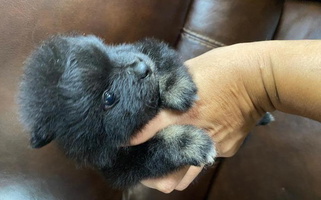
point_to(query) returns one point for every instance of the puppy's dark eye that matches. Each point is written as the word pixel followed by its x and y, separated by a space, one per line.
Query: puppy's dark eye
pixel 108 100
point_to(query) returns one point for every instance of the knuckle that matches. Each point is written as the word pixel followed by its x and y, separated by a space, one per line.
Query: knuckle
pixel 228 150
pixel 229 154
pixel 233 148
pixel 181 187
pixel 166 186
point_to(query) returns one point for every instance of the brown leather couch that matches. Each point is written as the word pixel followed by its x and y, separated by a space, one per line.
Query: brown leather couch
pixel 278 161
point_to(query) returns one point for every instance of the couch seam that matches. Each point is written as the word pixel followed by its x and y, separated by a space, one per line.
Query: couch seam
pixel 200 37
pixel 184 35
pixel 187 13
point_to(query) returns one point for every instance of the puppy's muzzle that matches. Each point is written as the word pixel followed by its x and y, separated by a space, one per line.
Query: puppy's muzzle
pixel 141 69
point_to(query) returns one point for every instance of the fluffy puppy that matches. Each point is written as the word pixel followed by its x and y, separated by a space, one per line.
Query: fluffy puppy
pixel 91 98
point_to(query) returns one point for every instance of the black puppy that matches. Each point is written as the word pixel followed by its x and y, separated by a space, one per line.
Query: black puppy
pixel 91 98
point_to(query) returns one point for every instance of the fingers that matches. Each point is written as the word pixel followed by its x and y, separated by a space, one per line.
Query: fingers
pixel 179 180
pixel 148 131
pixel 228 145
pixel 144 135
pixel 168 183
pixel 162 120
pixel 189 177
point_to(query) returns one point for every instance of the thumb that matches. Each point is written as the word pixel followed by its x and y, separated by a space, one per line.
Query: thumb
pixel 162 120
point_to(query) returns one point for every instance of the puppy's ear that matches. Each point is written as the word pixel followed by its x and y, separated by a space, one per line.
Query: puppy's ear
pixel 40 138
pixel 38 97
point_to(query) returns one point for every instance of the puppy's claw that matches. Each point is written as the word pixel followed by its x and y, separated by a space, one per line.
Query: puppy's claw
pixel 210 158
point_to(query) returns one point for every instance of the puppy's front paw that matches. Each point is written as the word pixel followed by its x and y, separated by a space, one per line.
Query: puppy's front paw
pixel 171 149
pixel 202 146
pixel 178 91
pixel 188 145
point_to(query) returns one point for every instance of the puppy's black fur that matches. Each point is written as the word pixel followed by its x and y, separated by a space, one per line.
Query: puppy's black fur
pixel 91 98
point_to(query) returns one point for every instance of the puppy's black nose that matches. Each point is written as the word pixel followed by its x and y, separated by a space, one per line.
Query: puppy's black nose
pixel 141 69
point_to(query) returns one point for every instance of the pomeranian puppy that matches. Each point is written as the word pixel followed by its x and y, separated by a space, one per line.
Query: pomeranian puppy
pixel 92 98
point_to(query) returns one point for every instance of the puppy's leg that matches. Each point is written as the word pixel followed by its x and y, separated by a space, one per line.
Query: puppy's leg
pixel 172 148
pixel 177 90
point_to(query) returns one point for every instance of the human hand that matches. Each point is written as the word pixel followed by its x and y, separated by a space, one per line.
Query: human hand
pixel 225 109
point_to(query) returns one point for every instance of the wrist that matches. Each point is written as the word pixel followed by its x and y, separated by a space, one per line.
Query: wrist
pixel 293 82
pixel 258 75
